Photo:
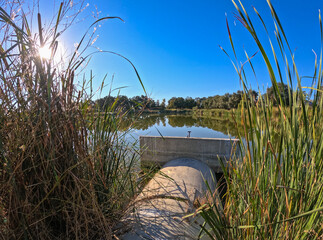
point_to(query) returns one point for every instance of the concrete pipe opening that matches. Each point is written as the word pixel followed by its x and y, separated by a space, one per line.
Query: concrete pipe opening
pixel 177 190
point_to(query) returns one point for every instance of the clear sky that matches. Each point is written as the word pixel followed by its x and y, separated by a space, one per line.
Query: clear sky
pixel 174 44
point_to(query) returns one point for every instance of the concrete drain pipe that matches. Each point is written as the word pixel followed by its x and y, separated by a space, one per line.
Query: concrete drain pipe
pixel 171 194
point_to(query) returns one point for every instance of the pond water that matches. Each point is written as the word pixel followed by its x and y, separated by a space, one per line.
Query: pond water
pixel 179 125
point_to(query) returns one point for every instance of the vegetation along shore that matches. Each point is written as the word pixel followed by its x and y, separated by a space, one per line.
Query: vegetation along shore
pixel 67 170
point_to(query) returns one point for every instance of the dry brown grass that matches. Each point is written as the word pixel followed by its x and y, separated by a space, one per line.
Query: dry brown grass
pixel 65 171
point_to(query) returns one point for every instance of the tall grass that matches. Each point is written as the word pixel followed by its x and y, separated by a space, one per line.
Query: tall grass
pixel 275 186
pixel 65 170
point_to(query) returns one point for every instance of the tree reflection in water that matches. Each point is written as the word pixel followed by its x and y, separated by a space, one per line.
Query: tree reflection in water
pixel 148 121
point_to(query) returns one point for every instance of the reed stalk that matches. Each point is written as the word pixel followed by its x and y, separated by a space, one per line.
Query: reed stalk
pixel 275 184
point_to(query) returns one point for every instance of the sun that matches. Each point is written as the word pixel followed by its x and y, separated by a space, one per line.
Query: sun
pixel 45 52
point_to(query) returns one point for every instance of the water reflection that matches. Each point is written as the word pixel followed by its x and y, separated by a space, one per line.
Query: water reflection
pixel 179 125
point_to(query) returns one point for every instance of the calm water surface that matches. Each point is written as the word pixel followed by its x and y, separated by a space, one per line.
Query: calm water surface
pixel 179 125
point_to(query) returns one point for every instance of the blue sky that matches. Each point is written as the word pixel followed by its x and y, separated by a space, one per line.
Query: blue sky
pixel 175 44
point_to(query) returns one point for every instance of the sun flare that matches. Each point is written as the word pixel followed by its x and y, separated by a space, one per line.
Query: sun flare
pixel 57 57
pixel 45 52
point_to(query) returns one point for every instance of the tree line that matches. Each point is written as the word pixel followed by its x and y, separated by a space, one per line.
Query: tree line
pixel 226 101
pixel 136 103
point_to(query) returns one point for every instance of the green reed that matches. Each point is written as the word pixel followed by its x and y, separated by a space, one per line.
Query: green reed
pixel 275 183
pixel 66 171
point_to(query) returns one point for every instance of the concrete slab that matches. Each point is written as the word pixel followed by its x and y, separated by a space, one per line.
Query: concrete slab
pixel 160 150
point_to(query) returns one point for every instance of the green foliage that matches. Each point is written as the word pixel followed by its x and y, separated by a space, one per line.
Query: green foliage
pixel 177 103
pixel 274 182
pixel 283 92
pixel 136 103
pixel 226 101
pixel 163 104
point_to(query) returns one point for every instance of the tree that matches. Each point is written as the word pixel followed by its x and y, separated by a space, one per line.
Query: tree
pixel 175 102
pixel 179 102
pixel 106 102
pixel 163 104
pixel 235 99
pixel 189 102
pixel 282 90
pixel 253 95
pixel 171 103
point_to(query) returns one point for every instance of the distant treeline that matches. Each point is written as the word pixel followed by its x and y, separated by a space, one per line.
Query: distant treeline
pixel 226 101
pixel 136 103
